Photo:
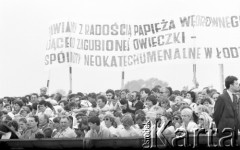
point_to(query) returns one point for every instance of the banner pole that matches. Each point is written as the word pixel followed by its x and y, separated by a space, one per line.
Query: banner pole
pixel 70 77
pixel 221 77
pixel 195 75
pixel 48 81
pixel 122 85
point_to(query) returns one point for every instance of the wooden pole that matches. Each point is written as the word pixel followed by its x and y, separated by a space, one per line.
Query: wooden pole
pixel 221 69
pixel 48 81
pixel 195 75
pixel 70 77
pixel 122 84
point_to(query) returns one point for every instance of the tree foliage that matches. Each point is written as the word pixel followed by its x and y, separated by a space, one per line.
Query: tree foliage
pixel 136 85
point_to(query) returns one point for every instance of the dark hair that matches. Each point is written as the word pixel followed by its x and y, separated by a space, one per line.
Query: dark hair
pixel 140 112
pixel 45 96
pixel 56 120
pixel 34 94
pixel 39 135
pixel 140 116
pixel 156 90
pixel 170 90
pixel 177 92
pixel 230 80
pixel 146 90
pixel 93 120
pixel 206 100
pixel 34 106
pixel 123 101
pixel 63 101
pixel 193 95
pixel 23 120
pixel 92 95
pixel 112 92
pixel 80 94
pixel 13 124
pixel 42 102
pixel 49 105
pixel 47 132
pixel 103 98
pixel 36 119
pixel 125 90
pixel 80 114
pixel 25 100
pixel 20 103
pixel 153 99
pixel 137 95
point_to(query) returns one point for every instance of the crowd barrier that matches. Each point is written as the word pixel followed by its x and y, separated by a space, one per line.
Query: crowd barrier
pixel 115 143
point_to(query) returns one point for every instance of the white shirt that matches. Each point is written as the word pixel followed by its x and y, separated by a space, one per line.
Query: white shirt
pixel 230 94
pixel 67 133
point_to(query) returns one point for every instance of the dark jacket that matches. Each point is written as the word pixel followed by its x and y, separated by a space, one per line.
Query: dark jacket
pixel 225 114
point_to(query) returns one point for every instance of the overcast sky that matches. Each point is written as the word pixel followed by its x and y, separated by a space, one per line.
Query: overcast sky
pixel 24 34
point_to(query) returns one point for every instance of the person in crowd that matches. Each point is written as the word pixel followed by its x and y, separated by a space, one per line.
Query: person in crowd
pixel 47 132
pixel 109 123
pixel 112 102
pixel 187 118
pixel 177 119
pixel 17 107
pixel 33 128
pixel 43 91
pixel 14 126
pixel 206 93
pixel 97 131
pixel 128 130
pixel 155 91
pixel 43 121
pixel 166 128
pixel 165 103
pixel 139 122
pixel 164 93
pixel 118 117
pixel 135 100
pixel 176 93
pixel 1 105
pixel 23 127
pixel 204 121
pixel 215 96
pixel 177 105
pixel 65 130
pixel 57 97
pixel 208 103
pixel 44 109
pixel 83 128
pixel 202 108
pixel 144 92
pixel 102 106
pixel 124 93
pixel 124 105
pixel 9 110
pixel 191 95
pixel 34 98
pixel 110 96
pixel 56 126
pixel 151 102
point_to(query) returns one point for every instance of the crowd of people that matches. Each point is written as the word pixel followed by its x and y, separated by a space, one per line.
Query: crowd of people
pixel 119 113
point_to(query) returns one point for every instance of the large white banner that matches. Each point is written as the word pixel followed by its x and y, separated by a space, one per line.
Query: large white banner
pixel 186 39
